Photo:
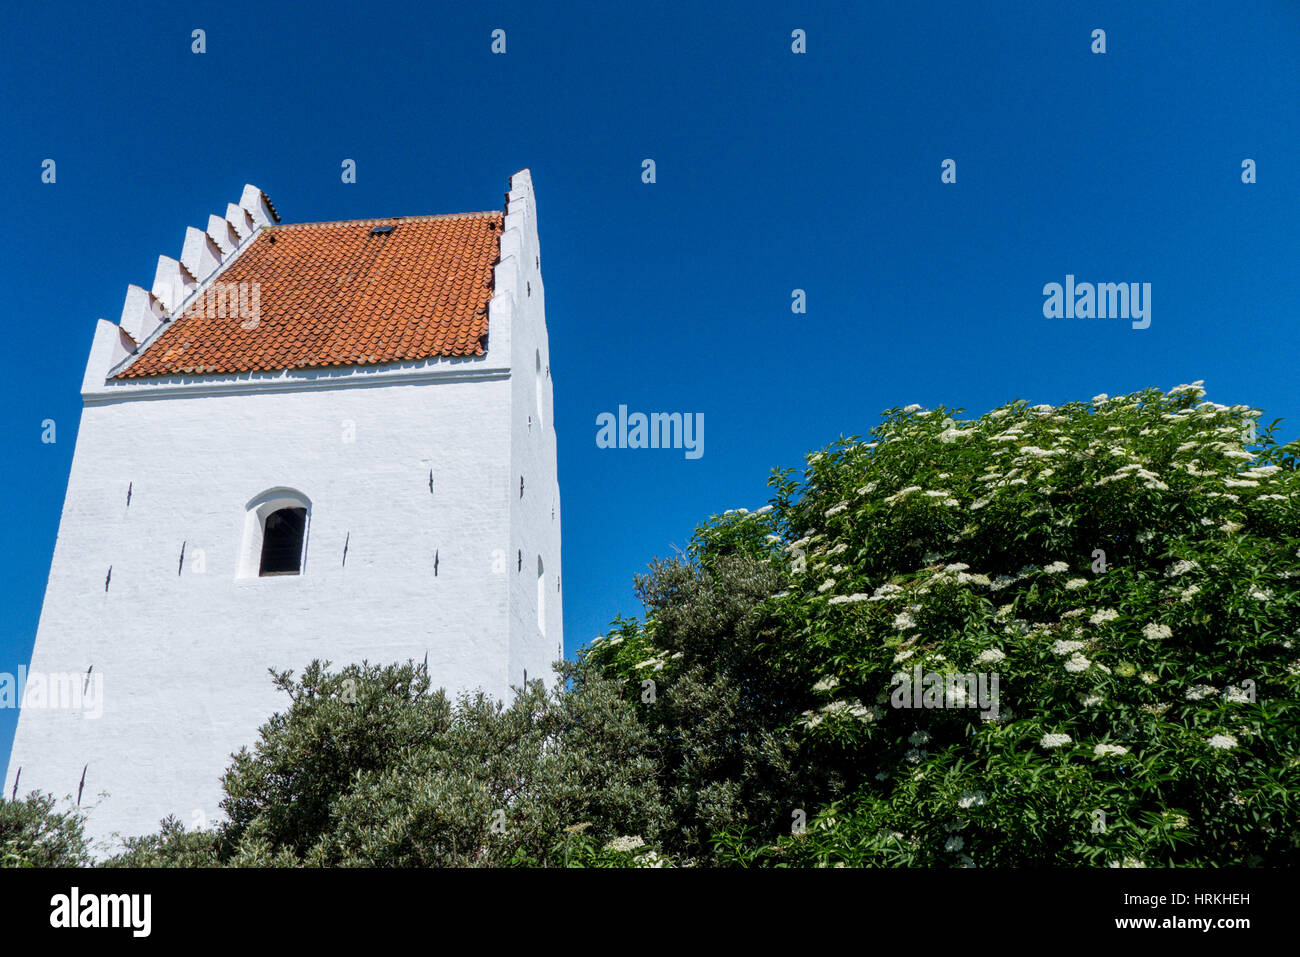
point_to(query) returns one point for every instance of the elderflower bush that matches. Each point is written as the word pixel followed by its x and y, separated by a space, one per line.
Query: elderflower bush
pixel 1148 711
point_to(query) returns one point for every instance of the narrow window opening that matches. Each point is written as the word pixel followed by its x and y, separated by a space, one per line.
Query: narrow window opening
pixel 282 538
pixel 541 596
pixel 537 386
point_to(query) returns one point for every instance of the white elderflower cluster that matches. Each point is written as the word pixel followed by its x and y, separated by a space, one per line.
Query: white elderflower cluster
pixel 827 683
pixel 1055 740
pixel 826 586
pixel 1222 741
pixel 1260 471
pixel 1155 631
pixel 1056 568
pixel 902 493
pixel 1063 647
pixel 1199 692
pixel 904 621
pixel 1181 567
pixel 1102 750
pixel 843 599
pixel 867 715
pixel 1077 663
pixel 990 656
pixel 626 843
pixel 971 799
pixel 1074 584
pixel 1103 615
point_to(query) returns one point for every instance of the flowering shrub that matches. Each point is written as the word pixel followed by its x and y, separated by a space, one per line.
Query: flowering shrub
pixel 1125 568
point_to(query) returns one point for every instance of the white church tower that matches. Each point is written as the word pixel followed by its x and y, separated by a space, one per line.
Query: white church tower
pixel 321 440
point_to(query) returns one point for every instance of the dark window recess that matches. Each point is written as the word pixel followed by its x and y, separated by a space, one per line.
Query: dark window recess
pixel 529 286
pixel 282 542
pixel 520 567
pixel 521 486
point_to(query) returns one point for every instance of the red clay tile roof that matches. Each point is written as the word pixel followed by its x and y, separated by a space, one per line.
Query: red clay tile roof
pixel 334 294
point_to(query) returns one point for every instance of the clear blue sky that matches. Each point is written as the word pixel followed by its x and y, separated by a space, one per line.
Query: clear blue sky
pixel 775 171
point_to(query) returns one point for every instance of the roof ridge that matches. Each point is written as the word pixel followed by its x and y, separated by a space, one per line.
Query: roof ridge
pixel 432 217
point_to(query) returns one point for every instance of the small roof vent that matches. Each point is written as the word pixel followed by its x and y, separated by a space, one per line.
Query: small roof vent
pixel 381 230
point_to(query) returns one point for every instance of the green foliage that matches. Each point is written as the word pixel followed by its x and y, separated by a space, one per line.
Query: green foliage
pixel 33 833
pixel 367 767
pixel 172 846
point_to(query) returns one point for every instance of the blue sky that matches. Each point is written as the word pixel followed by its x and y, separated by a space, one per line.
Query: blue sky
pixel 775 171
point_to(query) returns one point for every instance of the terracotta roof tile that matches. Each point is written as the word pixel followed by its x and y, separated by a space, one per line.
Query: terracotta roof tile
pixel 338 294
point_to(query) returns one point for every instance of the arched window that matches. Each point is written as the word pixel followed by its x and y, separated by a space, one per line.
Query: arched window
pixel 541 596
pixel 283 534
pixel 275 534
